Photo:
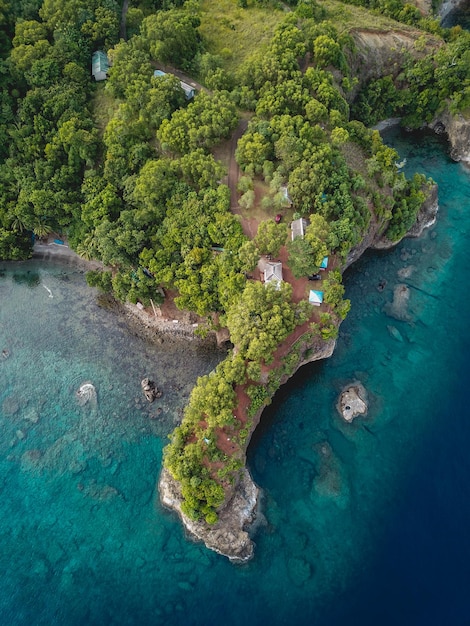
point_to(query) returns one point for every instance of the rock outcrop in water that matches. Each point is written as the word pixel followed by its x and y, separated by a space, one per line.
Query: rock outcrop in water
pixel 86 394
pixel 352 401
pixel 150 390
pixel 398 308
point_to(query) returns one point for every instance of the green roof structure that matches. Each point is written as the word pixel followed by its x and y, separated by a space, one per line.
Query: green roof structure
pixel 99 65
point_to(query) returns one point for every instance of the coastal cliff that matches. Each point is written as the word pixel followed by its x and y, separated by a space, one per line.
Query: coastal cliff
pixel 375 238
pixel 426 217
pixel 457 128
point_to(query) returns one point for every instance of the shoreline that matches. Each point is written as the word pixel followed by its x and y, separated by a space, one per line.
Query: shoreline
pixel 140 322
pixel 50 251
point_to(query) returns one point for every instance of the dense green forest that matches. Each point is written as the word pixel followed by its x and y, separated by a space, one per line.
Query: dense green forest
pixel 134 174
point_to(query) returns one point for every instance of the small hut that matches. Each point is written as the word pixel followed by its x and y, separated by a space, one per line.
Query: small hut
pixel 99 65
pixel 188 90
pixel 324 263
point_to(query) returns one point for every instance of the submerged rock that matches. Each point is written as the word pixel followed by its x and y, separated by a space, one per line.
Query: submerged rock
pixel 330 483
pixel 31 416
pixel 31 460
pixel 10 406
pixel 86 393
pixel 395 333
pixel 352 402
pixel 398 308
pixel 406 272
pixel 299 570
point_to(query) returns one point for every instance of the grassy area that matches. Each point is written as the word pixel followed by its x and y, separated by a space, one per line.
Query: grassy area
pixel 235 33
pixel 104 106
pixel 348 17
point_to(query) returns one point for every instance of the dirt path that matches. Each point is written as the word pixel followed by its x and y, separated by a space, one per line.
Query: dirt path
pixel 123 31
pixel 233 168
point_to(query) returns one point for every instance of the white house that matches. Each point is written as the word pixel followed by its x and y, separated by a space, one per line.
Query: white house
pixel 273 274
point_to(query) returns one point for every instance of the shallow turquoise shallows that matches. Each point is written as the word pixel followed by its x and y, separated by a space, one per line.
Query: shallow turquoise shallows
pixel 364 523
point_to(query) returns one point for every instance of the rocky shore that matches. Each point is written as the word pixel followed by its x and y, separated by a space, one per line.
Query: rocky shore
pixel 160 330
pixel 229 537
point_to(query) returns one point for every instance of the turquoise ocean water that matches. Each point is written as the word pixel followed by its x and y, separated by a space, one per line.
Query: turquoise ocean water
pixel 363 523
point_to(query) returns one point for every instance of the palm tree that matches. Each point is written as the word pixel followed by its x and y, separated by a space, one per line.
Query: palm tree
pixel 19 224
pixel 40 229
pixel 87 248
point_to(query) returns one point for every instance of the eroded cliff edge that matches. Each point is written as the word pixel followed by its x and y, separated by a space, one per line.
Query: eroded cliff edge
pixel 457 128
pixel 230 536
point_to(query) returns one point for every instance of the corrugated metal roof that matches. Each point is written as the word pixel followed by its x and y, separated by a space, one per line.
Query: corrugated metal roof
pixel 99 62
pixel 298 228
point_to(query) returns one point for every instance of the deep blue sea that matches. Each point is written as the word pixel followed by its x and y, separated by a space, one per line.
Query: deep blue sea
pixel 365 523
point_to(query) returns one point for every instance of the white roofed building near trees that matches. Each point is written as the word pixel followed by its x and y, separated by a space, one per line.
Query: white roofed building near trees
pixel 273 274
pixel 298 228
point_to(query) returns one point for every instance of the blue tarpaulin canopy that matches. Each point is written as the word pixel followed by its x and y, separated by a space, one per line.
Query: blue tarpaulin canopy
pixel 315 297
pixel 324 263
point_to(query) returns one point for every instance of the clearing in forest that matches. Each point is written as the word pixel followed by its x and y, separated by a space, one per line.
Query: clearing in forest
pixel 235 33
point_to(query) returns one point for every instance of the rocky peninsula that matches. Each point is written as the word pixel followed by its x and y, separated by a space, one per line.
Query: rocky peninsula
pixel 231 535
